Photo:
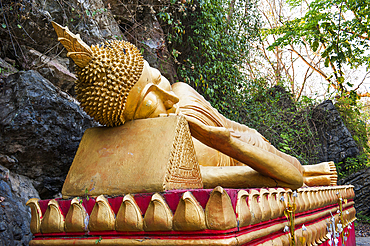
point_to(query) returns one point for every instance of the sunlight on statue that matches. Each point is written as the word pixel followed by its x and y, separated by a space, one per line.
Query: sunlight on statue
pixel 116 85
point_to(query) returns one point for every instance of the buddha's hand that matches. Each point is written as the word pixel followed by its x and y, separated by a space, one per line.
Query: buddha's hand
pixel 234 134
pixel 209 135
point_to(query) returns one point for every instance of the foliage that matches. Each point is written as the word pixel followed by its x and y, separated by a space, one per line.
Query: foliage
pixel 335 30
pixel 363 218
pixel 210 41
pixel 351 165
pixel 355 121
pixel 284 122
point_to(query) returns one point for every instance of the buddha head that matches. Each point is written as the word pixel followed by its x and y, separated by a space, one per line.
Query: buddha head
pixel 114 83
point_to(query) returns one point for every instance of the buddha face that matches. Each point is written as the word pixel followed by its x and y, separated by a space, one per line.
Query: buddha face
pixel 151 96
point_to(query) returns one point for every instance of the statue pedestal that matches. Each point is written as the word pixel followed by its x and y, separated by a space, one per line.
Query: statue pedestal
pixel 198 217
pixel 149 155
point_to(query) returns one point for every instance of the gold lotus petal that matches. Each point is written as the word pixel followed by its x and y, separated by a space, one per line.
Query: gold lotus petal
pixel 264 204
pixel 189 215
pixel 158 216
pixel 53 220
pixel 129 216
pixel 102 216
pixel 254 206
pixel 219 211
pixel 36 213
pixel 242 209
pixel 76 218
pixel 273 202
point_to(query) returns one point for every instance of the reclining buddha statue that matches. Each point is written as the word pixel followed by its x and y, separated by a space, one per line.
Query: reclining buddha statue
pixel 116 85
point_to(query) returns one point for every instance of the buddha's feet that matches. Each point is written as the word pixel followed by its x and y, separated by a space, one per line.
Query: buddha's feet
pixel 324 173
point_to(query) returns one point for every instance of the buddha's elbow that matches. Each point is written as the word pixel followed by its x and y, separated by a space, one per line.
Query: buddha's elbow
pixel 296 182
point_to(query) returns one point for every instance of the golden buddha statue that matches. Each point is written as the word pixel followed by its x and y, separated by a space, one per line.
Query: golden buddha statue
pixel 116 85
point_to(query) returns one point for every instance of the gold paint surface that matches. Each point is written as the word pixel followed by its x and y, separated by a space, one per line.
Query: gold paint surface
pixel 102 216
pixel 219 211
pixel 189 214
pixel 158 216
pixel 53 220
pixel 129 216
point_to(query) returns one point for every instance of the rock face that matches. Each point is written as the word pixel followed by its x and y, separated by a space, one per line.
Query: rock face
pixel 40 130
pixel 30 22
pixel 337 143
pixel 52 70
pixel 144 30
pixel 361 181
pixel 15 217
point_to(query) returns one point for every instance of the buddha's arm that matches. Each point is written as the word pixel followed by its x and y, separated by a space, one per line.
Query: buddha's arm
pixel 260 160
pixel 256 139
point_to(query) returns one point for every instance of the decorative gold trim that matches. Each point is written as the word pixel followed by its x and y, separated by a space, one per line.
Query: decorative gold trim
pixel 158 216
pixel 129 216
pixel 102 216
pixel 219 211
pixel 124 241
pixel 53 220
pixel 76 218
pixel 182 168
pixel 189 215
pixel 35 225
pixel 77 49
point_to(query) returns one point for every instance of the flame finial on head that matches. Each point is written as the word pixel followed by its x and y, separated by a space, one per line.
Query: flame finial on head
pixel 78 50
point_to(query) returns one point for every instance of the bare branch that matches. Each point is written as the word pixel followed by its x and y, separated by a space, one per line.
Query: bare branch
pixel 362 81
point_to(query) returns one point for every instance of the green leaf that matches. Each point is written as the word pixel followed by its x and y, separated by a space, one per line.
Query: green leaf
pixel 98 240
pixel 3 25
pixel 326 63
pixel 19 26
pixel 315 45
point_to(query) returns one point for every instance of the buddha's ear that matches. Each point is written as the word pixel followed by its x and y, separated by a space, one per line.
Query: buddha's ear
pixel 77 49
pixel 156 75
